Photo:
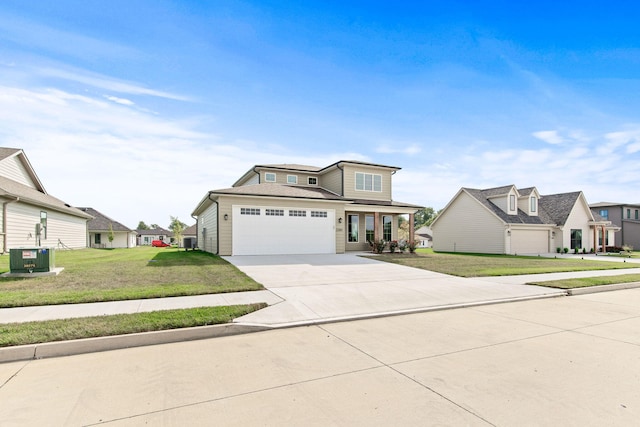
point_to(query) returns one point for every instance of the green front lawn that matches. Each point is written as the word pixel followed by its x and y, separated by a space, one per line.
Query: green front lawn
pixel 478 265
pixel 93 275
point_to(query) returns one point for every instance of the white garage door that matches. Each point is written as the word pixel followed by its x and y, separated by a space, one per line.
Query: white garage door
pixel 527 242
pixel 275 231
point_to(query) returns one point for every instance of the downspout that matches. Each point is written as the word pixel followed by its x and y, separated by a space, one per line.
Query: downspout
pixel 4 223
pixel 217 223
pixel 341 178
pixel 197 234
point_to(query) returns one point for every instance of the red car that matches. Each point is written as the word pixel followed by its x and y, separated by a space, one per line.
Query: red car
pixel 159 244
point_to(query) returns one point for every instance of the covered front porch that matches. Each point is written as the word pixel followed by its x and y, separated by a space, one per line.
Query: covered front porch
pixel 368 224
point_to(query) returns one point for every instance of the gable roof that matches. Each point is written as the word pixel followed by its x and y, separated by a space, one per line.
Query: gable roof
pixel 101 222
pixel 155 232
pixel 23 193
pixel 553 209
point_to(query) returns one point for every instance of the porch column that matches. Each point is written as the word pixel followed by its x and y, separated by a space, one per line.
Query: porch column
pixel 411 229
pixel 376 226
pixel 604 239
pixel 595 239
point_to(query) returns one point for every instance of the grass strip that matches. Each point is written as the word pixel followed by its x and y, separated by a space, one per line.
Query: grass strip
pixel 588 281
pixel 480 265
pixel 13 334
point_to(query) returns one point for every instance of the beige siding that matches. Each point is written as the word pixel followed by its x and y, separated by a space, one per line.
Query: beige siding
pixel 350 183
pixel 532 241
pixel 466 226
pixel 13 169
pixel 227 202
pixel 208 229
pixel 281 177
pixel 62 229
pixel 332 181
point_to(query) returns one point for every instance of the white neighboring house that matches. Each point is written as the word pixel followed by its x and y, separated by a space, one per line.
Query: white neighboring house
pixel 145 237
pixel 507 220
pixel 99 227
pixel 30 216
pixel 424 237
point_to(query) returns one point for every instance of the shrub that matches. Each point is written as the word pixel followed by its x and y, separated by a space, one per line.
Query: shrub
pixel 393 245
pixel 558 249
pixel 566 250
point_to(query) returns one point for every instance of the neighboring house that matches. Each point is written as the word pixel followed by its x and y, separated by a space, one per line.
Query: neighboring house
pixel 30 216
pixel 424 237
pixel 145 237
pixel 507 220
pixel 625 216
pixel 189 237
pixel 296 209
pixel 101 225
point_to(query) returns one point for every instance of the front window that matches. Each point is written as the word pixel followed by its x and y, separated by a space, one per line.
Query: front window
pixel 386 228
pixel 368 182
pixel 533 204
pixel 353 228
pixel 369 228
pixel 98 239
pixel 576 239
pixel 628 213
pixel 636 213
pixel 604 213
pixel 270 177
pixel 292 179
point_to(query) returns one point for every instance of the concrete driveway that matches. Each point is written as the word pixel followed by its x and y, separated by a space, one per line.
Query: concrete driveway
pixel 325 288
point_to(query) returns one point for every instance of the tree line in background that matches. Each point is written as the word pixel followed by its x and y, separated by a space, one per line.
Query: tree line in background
pixel 423 218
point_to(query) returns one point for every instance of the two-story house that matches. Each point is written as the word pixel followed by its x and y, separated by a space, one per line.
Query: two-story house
pixel 508 220
pixel 297 209
pixel 626 217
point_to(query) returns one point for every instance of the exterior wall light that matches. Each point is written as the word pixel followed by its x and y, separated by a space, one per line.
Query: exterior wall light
pixel 339 220
pixel 226 217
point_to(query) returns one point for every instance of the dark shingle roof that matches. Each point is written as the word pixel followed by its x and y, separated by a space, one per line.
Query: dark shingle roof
pixel 552 209
pixel 155 232
pixel 7 152
pixel 101 222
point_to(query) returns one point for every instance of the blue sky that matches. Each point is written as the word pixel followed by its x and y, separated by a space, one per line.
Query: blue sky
pixel 138 108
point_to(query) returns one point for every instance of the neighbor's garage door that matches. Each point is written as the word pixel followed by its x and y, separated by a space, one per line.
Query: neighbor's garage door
pixel 274 231
pixel 529 242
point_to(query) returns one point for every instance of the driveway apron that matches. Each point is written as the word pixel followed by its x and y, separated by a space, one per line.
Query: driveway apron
pixel 325 288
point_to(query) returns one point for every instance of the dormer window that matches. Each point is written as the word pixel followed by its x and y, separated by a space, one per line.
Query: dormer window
pixel 512 203
pixel 534 203
pixel 270 177
pixel 292 179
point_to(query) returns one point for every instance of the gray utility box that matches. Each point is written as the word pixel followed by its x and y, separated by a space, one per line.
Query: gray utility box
pixel 32 260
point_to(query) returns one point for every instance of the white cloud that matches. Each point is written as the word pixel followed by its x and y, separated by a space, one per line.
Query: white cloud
pixel 399 148
pixel 549 136
pixel 119 100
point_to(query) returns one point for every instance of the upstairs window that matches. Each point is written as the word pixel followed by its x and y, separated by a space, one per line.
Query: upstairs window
pixel 628 213
pixel 534 204
pixel 604 213
pixel 636 213
pixel 368 182
pixel 312 180
pixel 270 177
pixel 292 179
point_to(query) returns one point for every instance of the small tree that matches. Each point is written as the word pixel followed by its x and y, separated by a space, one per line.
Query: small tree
pixel 177 227
pixel 111 236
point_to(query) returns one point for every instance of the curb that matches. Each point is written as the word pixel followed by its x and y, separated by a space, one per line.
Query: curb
pixel 602 288
pixel 116 342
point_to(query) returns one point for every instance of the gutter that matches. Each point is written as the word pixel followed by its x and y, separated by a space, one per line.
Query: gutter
pixel 4 222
